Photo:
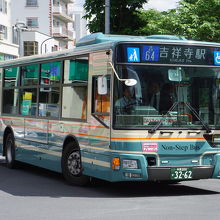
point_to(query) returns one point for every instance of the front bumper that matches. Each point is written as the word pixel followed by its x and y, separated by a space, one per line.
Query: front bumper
pixel 163 173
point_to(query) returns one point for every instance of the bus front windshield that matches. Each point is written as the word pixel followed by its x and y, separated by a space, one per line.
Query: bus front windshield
pixel 175 97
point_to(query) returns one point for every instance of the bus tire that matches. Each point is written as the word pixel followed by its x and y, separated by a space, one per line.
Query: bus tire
pixel 72 166
pixel 10 151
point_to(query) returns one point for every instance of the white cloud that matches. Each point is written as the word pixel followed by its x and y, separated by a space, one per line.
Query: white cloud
pixel 80 1
pixel 161 5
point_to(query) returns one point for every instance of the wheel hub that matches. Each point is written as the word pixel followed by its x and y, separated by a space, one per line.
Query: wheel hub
pixel 74 163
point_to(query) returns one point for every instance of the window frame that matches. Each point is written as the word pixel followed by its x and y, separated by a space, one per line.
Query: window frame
pixel 31 19
pixel 4 6
pixel 4 30
pixel 31 3
pixel 37 86
pixel 30 48
pixel 76 83
pixel 61 85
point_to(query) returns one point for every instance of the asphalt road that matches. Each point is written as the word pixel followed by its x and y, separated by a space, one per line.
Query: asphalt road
pixel 29 193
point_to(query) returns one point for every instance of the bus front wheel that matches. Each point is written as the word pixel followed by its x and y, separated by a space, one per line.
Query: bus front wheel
pixel 10 151
pixel 72 166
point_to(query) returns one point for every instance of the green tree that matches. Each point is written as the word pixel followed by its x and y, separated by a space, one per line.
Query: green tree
pixel 199 19
pixel 193 19
pixel 156 22
pixel 124 15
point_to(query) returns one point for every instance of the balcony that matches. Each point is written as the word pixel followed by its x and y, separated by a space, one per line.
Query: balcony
pixel 62 13
pixel 62 32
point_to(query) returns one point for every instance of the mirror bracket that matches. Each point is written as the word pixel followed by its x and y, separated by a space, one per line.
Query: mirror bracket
pixel 128 82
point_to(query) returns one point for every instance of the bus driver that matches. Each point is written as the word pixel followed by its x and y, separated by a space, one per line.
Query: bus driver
pixel 125 103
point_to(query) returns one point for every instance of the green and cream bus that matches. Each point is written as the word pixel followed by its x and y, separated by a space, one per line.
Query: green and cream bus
pixel 118 108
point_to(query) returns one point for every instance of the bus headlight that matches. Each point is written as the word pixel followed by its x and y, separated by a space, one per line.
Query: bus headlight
pixel 130 164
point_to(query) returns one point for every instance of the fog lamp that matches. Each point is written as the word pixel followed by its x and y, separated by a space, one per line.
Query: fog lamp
pixel 130 164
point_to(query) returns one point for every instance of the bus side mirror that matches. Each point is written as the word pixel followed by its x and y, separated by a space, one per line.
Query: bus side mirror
pixel 102 85
pixel 130 82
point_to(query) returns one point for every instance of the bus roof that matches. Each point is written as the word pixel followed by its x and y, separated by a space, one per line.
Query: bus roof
pixel 101 38
pixel 97 38
pixel 100 41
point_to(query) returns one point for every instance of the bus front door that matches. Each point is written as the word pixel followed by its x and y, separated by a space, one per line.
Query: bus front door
pixel 98 117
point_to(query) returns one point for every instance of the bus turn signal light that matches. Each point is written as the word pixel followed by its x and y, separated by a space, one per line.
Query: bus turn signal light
pixel 116 163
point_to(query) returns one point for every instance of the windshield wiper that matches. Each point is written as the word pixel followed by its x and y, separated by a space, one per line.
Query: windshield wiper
pixel 152 130
pixel 205 125
pixel 208 129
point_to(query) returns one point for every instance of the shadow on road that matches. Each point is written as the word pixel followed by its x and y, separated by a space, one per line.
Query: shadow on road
pixel 28 180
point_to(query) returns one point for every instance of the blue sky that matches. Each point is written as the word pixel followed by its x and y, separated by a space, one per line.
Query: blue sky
pixel 161 5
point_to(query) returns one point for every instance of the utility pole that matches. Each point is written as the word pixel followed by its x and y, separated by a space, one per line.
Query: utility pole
pixel 107 16
pixel 20 26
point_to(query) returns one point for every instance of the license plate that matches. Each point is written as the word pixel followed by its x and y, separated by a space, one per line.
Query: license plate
pixel 181 173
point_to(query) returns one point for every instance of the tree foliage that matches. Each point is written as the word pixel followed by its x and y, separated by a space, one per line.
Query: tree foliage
pixel 124 15
pixel 194 19
pixel 199 19
pixel 155 22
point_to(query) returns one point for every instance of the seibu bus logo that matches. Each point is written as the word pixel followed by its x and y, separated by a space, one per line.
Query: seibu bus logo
pixel 149 146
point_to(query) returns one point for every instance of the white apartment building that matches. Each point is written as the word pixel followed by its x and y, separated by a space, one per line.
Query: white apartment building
pixel 80 24
pixel 49 21
pixel 8 50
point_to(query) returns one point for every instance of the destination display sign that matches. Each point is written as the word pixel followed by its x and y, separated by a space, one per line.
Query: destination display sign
pixel 168 54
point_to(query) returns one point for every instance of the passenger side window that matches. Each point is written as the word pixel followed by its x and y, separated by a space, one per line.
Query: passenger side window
pixel 74 100
pixel 28 104
pixel 29 75
pixel 50 73
pixel 49 102
pixel 49 91
pixel 10 90
pixel 11 77
pixel 77 70
pixel 10 101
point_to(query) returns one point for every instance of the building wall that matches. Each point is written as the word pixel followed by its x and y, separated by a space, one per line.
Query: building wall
pixel 21 13
pixel 45 42
pixel 80 24
pixel 8 50
pixel 5 19
pixel 44 13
